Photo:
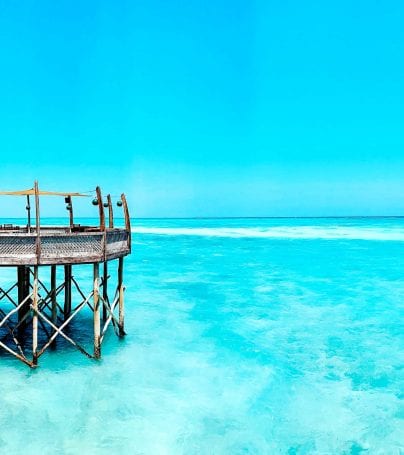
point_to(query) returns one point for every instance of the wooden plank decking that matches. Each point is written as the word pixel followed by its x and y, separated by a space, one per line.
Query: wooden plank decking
pixel 60 246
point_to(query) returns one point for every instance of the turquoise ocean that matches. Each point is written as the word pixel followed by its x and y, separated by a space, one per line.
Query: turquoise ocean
pixel 244 336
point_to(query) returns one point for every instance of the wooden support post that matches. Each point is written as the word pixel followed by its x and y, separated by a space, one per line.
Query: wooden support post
pixel 54 306
pixel 97 320
pixel 23 292
pixel 68 291
pixel 53 294
pixel 100 208
pixel 105 291
pixel 28 207
pixel 70 209
pixel 38 223
pixel 121 298
pixel 35 318
pixel 20 278
pixel 110 212
pixel 127 219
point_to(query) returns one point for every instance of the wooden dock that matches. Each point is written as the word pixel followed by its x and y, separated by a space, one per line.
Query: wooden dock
pixel 31 309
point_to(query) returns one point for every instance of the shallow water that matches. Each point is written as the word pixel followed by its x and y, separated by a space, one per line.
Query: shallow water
pixel 244 336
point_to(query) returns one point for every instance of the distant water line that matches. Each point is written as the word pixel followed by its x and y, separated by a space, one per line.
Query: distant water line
pixel 284 232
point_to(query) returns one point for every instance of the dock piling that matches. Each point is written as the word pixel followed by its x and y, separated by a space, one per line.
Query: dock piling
pixel 68 291
pixel 35 318
pixel 53 294
pixel 23 277
pixel 105 292
pixel 97 320
pixel 121 298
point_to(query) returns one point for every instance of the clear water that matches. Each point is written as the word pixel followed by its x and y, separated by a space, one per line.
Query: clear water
pixel 245 336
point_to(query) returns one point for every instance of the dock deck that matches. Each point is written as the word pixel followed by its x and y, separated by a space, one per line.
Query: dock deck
pixel 59 245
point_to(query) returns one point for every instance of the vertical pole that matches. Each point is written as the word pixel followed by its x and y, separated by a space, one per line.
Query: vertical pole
pixel 110 212
pixel 71 217
pixel 105 291
pixel 35 317
pixel 53 294
pixel 28 214
pixel 100 208
pixel 121 298
pixel 23 292
pixel 54 307
pixel 68 291
pixel 21 276
pixel 97 321
pixel 127 218
pixel 38 222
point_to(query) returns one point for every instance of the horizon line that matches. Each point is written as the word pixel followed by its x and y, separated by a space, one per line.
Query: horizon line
pixel 224 217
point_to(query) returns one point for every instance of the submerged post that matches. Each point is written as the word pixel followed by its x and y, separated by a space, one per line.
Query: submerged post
pixel 68 291
pixel 23 293
pixel 35 318
pixel 97 320
pixel 105 291
pixel 53 294
pixel 121 298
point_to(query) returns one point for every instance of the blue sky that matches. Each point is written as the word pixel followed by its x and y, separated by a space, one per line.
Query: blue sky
pixel 198 108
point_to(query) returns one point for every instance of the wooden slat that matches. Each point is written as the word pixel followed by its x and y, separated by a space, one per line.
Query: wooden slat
pixel 31 192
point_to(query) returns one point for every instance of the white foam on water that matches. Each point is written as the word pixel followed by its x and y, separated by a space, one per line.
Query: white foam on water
pixel 282 232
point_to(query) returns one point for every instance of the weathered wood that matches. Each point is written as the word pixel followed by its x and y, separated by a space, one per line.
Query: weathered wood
pixel 28 247
pixel 110 212
pixel 111 318
pixel 23 291
pixel 71 217
pixel 54 305
pixel 127 218
pixel 35 318
pixel 105 290
pixel 61 247
pixel 28 214
pixel 100 208
pixel 68 291
pixel 14 310
pixel 96 313
pixel 121 297
pixel 18 356
pixel 59 330
pixel 38 223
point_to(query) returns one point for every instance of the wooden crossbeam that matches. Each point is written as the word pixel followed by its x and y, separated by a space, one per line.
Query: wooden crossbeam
pixel 6 294
pixel 19 356
pixel 4 321
pixel 11 332
pixel 14 310
pixel 111 318
pixel 48 298
pixel 40 306
pixel 58 330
